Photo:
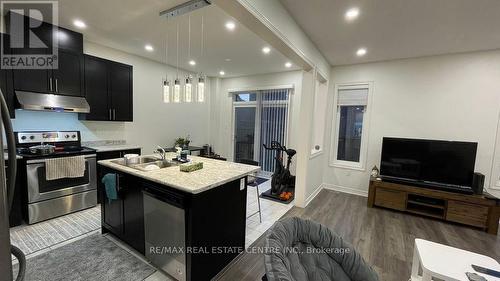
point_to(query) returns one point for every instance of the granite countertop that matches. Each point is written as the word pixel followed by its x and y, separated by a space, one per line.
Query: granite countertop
pixel 114 147
pixel 213 174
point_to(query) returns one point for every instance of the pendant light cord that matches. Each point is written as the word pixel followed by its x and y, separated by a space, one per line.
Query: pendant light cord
pixel 177 67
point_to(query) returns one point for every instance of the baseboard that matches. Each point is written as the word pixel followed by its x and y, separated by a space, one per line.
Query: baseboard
pixel 345 189
pixel 313 195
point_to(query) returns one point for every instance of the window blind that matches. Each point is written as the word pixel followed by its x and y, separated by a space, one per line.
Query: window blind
pixel 357 96
pixel 274 123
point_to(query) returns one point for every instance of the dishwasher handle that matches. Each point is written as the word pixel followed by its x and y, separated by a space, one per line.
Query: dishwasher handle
pixel 164 196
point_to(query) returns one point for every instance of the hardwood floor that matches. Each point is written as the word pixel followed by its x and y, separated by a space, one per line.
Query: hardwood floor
pixel 385 238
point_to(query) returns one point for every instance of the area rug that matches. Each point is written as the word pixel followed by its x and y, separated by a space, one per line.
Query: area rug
pixel 92 258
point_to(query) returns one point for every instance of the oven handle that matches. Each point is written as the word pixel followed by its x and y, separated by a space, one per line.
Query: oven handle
pixel 43 160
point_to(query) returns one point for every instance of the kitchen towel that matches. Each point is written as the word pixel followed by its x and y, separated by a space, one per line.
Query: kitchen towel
pixel 64 167
pixel 109 181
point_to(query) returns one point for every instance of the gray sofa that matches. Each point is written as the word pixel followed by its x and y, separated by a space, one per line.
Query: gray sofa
pixel 303 250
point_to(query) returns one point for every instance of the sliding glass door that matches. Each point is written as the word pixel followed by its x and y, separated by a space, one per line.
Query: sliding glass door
pixel 244 133
pixel 260 117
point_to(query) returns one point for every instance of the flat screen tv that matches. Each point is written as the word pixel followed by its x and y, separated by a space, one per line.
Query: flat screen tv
pixel 431 163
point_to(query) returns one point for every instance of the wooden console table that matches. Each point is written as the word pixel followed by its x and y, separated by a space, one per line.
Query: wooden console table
pixel 481 211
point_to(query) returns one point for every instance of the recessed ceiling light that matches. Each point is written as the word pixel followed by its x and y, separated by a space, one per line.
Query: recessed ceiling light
pixel 222 73
pixel 79 24
pixel 192 62
pixel 228 60
pixel 230 25
pixel 149 48
pixel 361 52
pixel 351 14
pixel 288 64
pixel 266 50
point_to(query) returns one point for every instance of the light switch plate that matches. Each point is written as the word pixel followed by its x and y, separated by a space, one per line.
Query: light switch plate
pixel 242 184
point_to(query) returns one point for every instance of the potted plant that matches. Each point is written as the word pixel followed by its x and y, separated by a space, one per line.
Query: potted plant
pixel 182 142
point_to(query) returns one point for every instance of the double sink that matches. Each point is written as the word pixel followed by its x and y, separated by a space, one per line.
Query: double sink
pixel 145 163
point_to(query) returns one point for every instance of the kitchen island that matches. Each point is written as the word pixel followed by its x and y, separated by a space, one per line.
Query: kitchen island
pixel 190 225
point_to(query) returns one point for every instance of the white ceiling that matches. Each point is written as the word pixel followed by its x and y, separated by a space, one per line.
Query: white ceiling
pixel 394 29
pixel 130 24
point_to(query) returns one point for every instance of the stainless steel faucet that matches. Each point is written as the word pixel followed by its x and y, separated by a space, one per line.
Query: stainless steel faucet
pixel 161 151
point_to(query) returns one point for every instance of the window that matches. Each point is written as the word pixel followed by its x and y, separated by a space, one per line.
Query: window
pixel 351 125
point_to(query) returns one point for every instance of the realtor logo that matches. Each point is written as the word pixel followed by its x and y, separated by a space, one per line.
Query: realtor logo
pixel 30 43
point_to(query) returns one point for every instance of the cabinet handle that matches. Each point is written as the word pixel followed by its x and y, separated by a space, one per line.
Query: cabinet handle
pixel 50 84
pixel 114 114
pixel 57 88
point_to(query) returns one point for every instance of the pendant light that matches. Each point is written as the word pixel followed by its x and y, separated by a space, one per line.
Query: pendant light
pixel 177 91
pixel 166 83
pixel 201 89
pixel 201 78
pixel 177 84
pixel 188 87
pixel 188 90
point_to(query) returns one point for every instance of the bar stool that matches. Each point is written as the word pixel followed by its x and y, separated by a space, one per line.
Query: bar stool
pixel 252 181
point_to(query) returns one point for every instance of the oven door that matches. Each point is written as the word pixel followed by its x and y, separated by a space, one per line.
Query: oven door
pixel 40 189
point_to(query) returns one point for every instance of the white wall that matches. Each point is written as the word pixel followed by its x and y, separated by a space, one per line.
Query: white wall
pixel 155 123
pixel 452 97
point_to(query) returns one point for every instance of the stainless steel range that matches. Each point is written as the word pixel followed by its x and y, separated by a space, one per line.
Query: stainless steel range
pixel 51 198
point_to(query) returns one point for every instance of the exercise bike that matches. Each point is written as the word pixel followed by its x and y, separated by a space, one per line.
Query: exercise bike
pixel 281 180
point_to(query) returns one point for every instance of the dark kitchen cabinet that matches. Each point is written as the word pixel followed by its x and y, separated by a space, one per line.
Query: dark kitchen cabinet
pixel 6 82
pixel 124 217
pixel 96 89
pixel 66 75
pixel 104 155
pixel 120 90
pixel 108 90
pixel 68 78
pixel 31 80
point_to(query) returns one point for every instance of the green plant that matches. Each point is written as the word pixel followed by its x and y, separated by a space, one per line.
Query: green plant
pixel 182 141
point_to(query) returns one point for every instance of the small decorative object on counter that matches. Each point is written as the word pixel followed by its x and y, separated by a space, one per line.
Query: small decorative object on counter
pixel 375 172
pixel 184 155
pixel 191 166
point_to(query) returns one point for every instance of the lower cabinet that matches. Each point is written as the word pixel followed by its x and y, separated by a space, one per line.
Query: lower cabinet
pixel 124 217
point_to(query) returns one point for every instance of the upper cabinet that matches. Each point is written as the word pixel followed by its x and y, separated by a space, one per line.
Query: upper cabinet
pixel 66 77
pixel 120 91
pixel 6 83
pixel 108 90
pixel 107 85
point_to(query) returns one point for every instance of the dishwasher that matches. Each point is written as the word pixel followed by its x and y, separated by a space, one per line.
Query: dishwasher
pixel 164 225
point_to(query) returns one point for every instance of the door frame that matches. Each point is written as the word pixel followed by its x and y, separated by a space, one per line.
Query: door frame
pixel 258 104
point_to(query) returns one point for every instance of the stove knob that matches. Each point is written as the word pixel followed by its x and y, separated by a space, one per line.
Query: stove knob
pixel 66 136
pixel 32 137
pixel 23 137
pixel 73 136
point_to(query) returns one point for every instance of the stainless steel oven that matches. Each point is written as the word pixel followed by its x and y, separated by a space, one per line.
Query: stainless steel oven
pixel 52 198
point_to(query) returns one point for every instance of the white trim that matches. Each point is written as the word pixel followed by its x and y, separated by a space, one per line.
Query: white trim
pixel 314 194
pixel 261 88
pixel 333 162
pixel 313 153
pixel 345 189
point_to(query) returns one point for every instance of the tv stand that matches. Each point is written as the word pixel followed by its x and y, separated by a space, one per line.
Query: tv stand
pixel 480 211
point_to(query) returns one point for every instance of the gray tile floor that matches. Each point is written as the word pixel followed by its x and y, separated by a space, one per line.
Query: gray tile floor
pixel 45 236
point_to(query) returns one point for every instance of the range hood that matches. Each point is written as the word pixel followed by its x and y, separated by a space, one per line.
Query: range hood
pixel 50 102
